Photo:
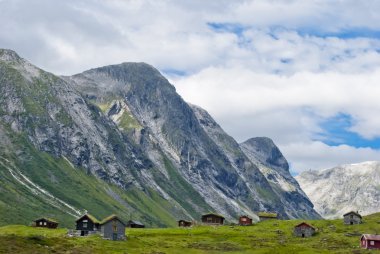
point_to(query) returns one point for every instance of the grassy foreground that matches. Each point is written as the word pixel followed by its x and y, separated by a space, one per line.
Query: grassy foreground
pixel 264 237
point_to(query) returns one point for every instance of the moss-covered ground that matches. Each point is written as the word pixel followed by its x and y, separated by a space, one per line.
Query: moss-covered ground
pixel 264 237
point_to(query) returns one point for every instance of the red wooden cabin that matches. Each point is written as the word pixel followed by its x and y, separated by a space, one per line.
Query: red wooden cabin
pixel 245 220
pixel 370 241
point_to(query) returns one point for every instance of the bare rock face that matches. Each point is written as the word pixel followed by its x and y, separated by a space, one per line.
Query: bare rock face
pixel 126 125
pixel 345 188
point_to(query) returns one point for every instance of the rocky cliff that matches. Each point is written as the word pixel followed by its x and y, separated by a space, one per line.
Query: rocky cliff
pixel 352 187
pixel 125 127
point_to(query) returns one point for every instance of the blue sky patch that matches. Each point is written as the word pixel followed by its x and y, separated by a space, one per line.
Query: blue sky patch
pixel 234 28
pixel 336 132
pixel 351 33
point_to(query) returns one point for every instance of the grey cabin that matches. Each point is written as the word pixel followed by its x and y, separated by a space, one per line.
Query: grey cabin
pixel 304 230
pixel 112 228
pixel 352 218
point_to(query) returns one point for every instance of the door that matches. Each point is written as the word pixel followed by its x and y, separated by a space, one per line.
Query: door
pixel 114 236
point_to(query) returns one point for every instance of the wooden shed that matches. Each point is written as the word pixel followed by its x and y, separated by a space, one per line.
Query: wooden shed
pixel 135 224
pixel 46 223
pixel 352 218
pixel 245 220
pixel 370 241
pixel 87 224
pixel 304 230
pixel 267 216
pixel 112 228
pixel 212 219
pixel 184 223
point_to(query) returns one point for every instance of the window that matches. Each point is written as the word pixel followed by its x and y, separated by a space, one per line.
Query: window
pixel 372 243
pixel 45 223
pixel 40 223
pixel 114 226
pixel 84 224
pixel 243 219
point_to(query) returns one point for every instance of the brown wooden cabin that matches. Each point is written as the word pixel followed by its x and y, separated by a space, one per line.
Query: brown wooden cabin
pixel 370 241
pixel 184 223
pixel 87 224
pixel 135 224
pixel 212 219
pixel 245 221
pixel 267 216
pixel 352 218
pixel 46 223
pixel 304 230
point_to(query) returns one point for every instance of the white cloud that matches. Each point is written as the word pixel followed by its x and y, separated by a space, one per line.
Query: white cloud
pixel 317 155
pixel 280 77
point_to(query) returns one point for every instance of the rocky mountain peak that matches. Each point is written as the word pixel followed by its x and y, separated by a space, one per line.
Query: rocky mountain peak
pixel 9 55
pixel 350 187
pixel 266 151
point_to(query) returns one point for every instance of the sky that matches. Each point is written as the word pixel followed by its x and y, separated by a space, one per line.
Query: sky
pixel 304 73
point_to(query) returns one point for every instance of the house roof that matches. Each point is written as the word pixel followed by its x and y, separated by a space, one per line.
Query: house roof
pixel 92 218
pixel 214 214
pixel 304 224
pixel 47 219
pixel 245 216
pixel 109 218
pixel 267 215
pixel 185 221
pixel 136 222
pixel 352 212
pixel 371 237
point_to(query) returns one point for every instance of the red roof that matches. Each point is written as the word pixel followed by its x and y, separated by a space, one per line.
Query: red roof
pixel 304 224
pixel 371 237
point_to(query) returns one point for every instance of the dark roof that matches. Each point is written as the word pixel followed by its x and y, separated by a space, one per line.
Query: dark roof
pixel 371 237
pixel 213 214
pixel 185 221
pixel 352 212
pixel 136 222
pixel 245 216
pixel 109 218
pixel 304 224
pixel 92 218
pixel 267 215
pixel 47 219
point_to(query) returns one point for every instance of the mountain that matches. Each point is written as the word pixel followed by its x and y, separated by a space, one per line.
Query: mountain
pixel 265 154
pixel 352 187
pixel 118 139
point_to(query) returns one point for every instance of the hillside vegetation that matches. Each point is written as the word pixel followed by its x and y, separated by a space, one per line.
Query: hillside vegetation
pixel 263 237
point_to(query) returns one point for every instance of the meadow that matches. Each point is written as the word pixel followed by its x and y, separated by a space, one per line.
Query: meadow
pixel 274 236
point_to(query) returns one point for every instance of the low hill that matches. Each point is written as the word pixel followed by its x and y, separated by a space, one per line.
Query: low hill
pixel 264 237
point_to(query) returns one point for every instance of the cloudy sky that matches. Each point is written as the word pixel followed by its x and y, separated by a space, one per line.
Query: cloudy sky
pixel 304 73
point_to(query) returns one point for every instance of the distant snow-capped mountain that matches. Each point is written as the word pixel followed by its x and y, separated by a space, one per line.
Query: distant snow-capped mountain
pixel 352 187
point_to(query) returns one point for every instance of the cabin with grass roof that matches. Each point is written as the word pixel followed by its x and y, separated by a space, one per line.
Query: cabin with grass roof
pixel 267 216
pixel 87 224
pixel 212 219
pixel 112 228
pixel 45 223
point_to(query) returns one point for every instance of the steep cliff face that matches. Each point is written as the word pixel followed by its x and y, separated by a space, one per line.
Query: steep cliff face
pixel 152 154
pixel 170 124
pixel 270 161
pixel 351 187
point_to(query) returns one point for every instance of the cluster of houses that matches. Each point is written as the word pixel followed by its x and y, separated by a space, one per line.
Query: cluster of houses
pixel 113 228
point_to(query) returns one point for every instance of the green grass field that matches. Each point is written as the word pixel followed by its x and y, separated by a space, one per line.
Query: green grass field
pixel 263 237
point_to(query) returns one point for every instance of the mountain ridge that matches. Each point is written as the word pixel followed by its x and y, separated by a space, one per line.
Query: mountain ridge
pixel 126 125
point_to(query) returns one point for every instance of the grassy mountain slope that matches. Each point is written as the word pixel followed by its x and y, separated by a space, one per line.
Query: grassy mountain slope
pixel 264 237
